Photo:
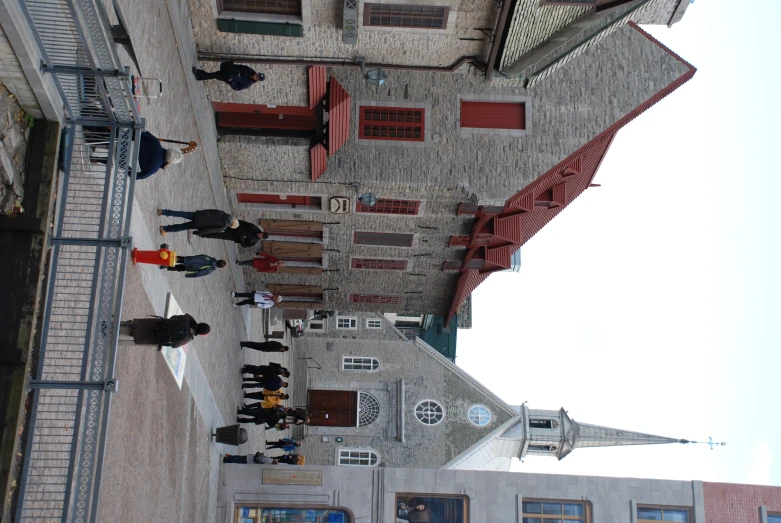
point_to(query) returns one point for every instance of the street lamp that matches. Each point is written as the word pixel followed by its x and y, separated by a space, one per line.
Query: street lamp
pixel 368 199
pixel 375 77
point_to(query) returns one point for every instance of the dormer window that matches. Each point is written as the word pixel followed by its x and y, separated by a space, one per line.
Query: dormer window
pixel 543 448
pixel 543 423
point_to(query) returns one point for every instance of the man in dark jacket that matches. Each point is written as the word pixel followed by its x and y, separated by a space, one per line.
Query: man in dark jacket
pixel 264 346
pixel 246 234
pixel 206 221
pixel 151 155
pixel 271 383
pixel 272 369
pixel 174 332
pixel 196 266
pixel 239 77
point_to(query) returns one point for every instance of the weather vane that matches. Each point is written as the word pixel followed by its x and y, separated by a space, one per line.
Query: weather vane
pixel 712 443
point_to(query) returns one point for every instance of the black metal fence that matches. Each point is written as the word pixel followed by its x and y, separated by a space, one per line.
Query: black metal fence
pixel 75 375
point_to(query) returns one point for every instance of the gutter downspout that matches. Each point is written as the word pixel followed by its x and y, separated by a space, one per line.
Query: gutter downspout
pixel 501 27
pixel 343 62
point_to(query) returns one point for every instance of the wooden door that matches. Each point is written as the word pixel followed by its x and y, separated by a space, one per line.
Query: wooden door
pixel 279 199
pixel 251 116
pixel 293 250
pixel 333 408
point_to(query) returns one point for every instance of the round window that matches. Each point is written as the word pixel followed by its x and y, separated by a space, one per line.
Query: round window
pixel 429 412
pixel 479 415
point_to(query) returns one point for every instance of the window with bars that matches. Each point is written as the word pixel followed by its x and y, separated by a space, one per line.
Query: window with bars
pixel 543 423
pixel 358 458
pixel 391 123
pixel 274 7
pixel 373 324
pixel 360 363
pixel 543 448
pixel 346 322
pixel 379 264
pixel 386 206
pixel 679 515
pixel 401 15
pixel 479 415
pixel 549 511
pixel 429 412
pixel 386 239
pixel 382 299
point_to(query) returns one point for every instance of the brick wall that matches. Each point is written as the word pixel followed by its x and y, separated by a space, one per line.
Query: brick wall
pixel 733 503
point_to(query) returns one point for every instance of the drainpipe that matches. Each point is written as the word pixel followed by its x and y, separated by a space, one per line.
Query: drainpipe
pixel 338 62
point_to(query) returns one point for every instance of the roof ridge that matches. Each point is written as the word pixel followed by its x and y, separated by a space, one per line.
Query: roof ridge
pixel 479 444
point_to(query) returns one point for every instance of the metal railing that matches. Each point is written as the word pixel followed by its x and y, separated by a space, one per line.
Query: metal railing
pixel 75 374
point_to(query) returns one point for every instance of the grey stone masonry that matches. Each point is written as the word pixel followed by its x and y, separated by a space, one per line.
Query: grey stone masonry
pixel 322 36
pixel 495 497
pixel 594 91
pixel 406 376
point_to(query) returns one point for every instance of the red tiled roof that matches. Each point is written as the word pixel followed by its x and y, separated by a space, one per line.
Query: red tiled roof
pixel 318 160
pixel 338 116
pixel 576 172
pixel 317 85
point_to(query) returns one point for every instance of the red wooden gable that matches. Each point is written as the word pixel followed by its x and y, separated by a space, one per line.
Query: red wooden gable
pixel 565 181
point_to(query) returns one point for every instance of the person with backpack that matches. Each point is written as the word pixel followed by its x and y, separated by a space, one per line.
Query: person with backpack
pixel 273 396
pixel 266 382
pixel 196 266
pixel 258 458
pixel 246 234
pixel 273 369
pixel 238 76
pixel 205 221
pixel 286 444
pixel 174 332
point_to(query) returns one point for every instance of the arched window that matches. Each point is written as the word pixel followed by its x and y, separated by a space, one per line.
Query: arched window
pixel 368 409
pixel 358 458
pixel 429 412
pixel 360 363
pixel 479 415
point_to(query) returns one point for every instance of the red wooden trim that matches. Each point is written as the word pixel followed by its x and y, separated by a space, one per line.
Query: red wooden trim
pixel 382 299
pixel 459 241
pixel 379 264
pixel 338 116
pixel 405 124
pixel 317 85
pixel 390 206
pixel 318 160
pixel 493 115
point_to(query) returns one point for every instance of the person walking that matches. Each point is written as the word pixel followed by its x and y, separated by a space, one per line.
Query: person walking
pixel 276 368
pixel 267 395
pixel 174 332
pixel 268 382
pixel 264 370
pixel 286 444
pixel 291 459
pixel 264 346
pixel 196 266
pixel 263 299
pixel 239 77
pixel 263 262
pixel 203 221
pixel 270 419
pixel 258 458
pixel 151 155
pixel 246 234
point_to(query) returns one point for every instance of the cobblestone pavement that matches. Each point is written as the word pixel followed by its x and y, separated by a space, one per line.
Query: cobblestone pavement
pixel 160 464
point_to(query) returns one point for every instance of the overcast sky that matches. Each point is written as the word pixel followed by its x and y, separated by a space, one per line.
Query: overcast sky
pixel 652 303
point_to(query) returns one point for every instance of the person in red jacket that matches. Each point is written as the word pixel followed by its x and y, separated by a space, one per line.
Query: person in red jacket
pixel 263 263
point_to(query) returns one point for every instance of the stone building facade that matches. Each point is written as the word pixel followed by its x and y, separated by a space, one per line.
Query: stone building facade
pixel 431 154
pixel 379 399
pixel 249 492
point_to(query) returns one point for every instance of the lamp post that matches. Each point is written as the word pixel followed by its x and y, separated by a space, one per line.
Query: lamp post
pixel 375 77
pixel 368 199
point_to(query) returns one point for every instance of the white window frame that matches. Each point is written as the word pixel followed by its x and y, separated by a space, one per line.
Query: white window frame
pixel 415 412
pixel 373 323
pixel 371 361
pixel 344 452
pixel 322 323
pixel 351 320
pixel 477 405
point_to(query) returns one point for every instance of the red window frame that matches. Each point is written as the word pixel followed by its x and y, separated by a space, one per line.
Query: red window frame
pixel 493 115
pixel 382 299
pixel 390 206
pixel 405 124
pixel 379 264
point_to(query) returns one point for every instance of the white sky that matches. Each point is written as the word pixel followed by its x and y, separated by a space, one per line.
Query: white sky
pixel 652 303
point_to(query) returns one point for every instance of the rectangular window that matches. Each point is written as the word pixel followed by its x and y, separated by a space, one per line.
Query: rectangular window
pixel 400 15
pixel 315 325
pixel 680 515
pixel 774 518
pixel 434 508
pixel 452 265
pixel 275 7
pixel 391 123
pixel 540 423
pixel 550 511
pixel 345 322
pixel 360 363
pixel 383 299
pixel 386 206
pixel 373 324
pixel 379 264
pixel 493 115
pixel 386 239
pixel 280 513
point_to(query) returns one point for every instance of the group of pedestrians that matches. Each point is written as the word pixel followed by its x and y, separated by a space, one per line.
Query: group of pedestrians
pixel 269 410
pixel 288 445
